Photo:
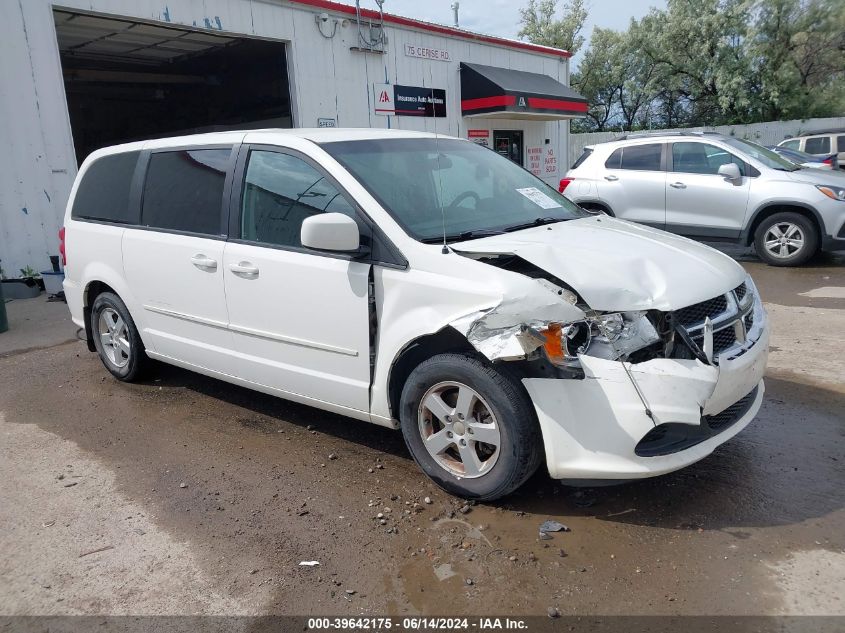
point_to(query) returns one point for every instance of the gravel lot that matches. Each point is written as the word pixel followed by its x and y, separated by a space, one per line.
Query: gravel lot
pixel 184 495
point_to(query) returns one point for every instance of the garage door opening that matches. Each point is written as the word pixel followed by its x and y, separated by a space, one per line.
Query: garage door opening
pixel 127 80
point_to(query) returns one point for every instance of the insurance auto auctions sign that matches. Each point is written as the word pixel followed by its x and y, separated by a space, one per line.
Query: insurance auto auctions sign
pixel 396 100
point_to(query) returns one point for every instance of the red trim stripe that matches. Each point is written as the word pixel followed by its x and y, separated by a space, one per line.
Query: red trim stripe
pixel 502 101
pixel 557 104
pixel 327 5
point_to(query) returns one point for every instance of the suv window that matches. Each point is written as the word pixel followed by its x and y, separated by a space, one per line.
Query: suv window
pixel 279 192
pixel 702 158
pixel 840 143
pixel 103 193
pixel 639 157
pixel 587 151
pixel 817 145
pixel 793 144
pixel 184 190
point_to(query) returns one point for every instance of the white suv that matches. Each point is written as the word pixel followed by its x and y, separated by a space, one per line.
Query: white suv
pixel 714 187
pixel 421 281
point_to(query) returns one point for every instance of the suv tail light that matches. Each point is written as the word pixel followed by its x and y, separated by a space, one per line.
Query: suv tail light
pixel 828 161
pixel 62 246
pixel 564 183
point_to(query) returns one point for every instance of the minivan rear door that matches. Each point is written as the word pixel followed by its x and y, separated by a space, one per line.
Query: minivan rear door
pixel 300 319
pixel 173 261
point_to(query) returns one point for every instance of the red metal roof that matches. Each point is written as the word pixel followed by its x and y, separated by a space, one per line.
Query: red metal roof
pixel 328 5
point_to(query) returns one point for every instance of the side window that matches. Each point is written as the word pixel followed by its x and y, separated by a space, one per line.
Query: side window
pixel 184 190
pixel 701 158
pixel 840 143
pixel 584 156
pixel 103 192
pixel 279 192
pixel 793 144
pixel 817 145
pixel 615 160
pixel 642 157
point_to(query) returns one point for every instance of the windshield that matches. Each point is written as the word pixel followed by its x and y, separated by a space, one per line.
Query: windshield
pixel 447 186
pixel 760 153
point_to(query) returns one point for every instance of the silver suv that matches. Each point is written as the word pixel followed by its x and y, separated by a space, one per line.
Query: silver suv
pixel 714 187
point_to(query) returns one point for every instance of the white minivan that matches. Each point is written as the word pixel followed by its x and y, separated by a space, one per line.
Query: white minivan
pixel 419 282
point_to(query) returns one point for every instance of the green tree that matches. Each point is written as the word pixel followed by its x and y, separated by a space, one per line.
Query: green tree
pixel 541 26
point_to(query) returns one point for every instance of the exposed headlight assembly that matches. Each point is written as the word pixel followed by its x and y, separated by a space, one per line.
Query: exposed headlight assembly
pixel 834 192
pixel 611 336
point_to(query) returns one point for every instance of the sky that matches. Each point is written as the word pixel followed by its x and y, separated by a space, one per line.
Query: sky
pixel 501 17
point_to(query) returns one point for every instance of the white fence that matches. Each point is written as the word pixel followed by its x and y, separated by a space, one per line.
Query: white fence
pixel 769 133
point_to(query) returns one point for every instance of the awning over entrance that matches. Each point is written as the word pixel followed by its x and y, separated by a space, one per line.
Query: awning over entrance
pixel 487 91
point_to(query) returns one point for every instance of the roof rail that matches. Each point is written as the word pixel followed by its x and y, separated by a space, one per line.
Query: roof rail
pixel 633 135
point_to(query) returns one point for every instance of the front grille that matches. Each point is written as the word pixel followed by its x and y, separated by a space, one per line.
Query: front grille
pixel 695 314
pixel 722 340
pixel 720 421
pixel 749 321
pixel 740 292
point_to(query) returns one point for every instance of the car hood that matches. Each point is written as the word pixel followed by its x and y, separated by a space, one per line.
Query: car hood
pixel 619 266
pixel 817 176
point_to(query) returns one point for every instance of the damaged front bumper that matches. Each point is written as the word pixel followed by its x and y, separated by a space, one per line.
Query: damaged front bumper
pixel 599 427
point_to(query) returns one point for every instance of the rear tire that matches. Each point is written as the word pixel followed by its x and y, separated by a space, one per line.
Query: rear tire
pixel 470 427
pixel 116 338
pixel 786 239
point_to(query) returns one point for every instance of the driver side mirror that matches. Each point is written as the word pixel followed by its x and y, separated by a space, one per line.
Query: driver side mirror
pixel 330 232
pixel 730 171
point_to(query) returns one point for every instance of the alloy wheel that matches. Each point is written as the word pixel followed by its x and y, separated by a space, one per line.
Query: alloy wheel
pixel 114 337
pixel 459 429
pixel 784 239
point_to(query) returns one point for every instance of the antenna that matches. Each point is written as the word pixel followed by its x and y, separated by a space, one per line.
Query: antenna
pixel 455 7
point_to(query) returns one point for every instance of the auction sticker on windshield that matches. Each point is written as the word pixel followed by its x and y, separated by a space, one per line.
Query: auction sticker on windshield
pixel 539 198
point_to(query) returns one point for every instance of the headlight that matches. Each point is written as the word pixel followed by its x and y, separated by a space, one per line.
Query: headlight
pixel 837 193
pixel 611 336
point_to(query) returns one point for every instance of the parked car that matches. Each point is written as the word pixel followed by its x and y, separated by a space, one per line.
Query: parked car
pixel 714 187
pixel 803 159
pixel 822 143
pixel 422 282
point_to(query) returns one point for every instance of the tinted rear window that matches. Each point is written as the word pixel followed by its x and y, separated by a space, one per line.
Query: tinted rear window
pixel 840 143
pixel 793 144
pixel 184 190
pixel 615 160
pixel 642 157
pixel 584 156
pixel 817 145
pixel 103 192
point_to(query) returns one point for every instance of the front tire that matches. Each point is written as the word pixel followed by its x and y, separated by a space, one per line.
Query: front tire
pixel 786 239
pixel 116 338
pixel 471 428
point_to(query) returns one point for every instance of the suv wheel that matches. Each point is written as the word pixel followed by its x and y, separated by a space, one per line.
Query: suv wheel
pixel 117 339
pixel 471 428
pixel 786 239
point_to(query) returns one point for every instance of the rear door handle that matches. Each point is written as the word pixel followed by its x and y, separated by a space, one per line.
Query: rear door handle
pixel 611 177
pixel 678 185
pixel 203 262
pixel 246 270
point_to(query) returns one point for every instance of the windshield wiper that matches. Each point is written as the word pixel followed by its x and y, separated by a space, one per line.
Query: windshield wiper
pixel 536 222
pixel 466 235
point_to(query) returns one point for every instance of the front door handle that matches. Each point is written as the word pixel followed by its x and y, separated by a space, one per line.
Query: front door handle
pixel 611 177
pixel 204 262
pixel 247 270
pixel 678 185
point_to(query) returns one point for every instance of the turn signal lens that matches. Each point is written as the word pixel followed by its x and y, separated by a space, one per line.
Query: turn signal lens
pixel 554 345
pixel 564 183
